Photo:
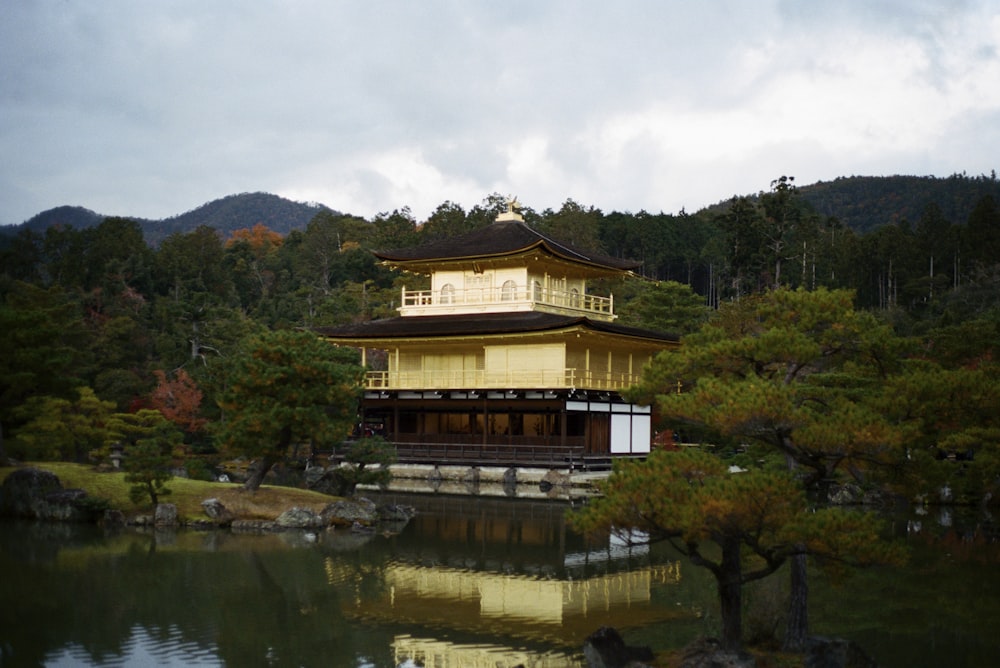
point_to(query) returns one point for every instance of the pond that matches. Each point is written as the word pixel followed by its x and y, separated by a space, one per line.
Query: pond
pixel 469 582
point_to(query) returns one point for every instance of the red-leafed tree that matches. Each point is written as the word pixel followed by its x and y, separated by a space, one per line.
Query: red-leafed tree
pixel 179 399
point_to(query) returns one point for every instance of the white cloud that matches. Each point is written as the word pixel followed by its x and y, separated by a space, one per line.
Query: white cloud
pixel 149 110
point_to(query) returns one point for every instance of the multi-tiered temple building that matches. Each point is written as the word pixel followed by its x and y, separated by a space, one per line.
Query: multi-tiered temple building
pixel 507 358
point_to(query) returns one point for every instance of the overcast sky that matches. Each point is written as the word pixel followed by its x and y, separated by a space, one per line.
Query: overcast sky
pixel 151 109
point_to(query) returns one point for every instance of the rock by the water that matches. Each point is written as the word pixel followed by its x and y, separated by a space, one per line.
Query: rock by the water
pixel 510 477
pixel 605 648
pixel 252 526
pixel 217 511
pixel 708 653
pixel 556 478
pixel 396 513
pixel 36 494
pixel 165 515
pixel 836 653
pixel 23 489
pixel 299 518
pixel 64 505
pixel 347 512
pixel 113 518
pixel 552 480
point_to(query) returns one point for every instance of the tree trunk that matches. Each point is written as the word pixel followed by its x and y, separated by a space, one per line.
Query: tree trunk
pixel 797 627
pixel 3 453
pixel 729 577
pixel 256 477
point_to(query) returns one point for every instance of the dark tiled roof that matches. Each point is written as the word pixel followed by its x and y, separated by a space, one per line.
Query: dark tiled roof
pixel 480 324
pixel 498 239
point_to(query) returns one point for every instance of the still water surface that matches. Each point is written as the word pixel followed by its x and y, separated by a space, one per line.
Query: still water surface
pixel 470 582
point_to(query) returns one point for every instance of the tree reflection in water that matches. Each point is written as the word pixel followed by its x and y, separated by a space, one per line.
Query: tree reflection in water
pixel 468 582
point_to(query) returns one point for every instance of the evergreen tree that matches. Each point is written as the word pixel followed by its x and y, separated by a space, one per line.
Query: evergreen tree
pixel 288 388
pixel 665 306
pixel 755 521
pixel 148 441
pixel 366 461
pixel 796 373
pixel 63 429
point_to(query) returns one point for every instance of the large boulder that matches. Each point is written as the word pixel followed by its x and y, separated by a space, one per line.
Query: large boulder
pixel 348 511
pixel 836 653
pixel 554 480
pixel 299 518
pixel 334 481
pixel 315 477
pixel 605 648
pixel 36 494
pixel 708 653
pixel 252 526
pixel 165 515
pixel 217 511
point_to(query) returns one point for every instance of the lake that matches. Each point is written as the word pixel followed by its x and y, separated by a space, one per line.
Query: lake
pixel 470 582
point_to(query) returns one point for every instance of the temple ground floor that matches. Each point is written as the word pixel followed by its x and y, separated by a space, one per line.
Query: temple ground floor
pixel 508 428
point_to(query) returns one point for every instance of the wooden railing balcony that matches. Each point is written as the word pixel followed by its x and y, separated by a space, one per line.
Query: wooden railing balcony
pixel 430 449
pixel 517 298
pixel 539 379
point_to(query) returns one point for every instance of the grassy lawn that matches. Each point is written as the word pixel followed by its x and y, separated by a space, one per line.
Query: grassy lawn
pixel 264 504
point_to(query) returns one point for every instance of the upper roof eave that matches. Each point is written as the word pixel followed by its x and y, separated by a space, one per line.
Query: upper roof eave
pixel 487 324
pixel 499 240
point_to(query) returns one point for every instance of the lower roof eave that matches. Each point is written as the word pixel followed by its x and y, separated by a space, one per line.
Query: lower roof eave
pixel 495 394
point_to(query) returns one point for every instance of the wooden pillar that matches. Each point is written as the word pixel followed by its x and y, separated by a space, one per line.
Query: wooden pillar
pixel 486 419
pixel 395 418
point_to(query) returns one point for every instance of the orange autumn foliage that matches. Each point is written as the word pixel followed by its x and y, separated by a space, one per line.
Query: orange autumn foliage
pixel 260 238
pixel 179 400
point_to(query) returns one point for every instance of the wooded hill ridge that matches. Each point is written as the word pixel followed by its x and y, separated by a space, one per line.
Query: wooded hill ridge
pixel 862 203
pixel 225 215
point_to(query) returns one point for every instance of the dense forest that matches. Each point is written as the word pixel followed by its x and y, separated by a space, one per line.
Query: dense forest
pixel 850 337
pixel 126 307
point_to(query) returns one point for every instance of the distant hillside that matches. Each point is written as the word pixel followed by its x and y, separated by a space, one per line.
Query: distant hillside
pixel 75 216
pixel 236 212
pixel 225 215
pixel 864 203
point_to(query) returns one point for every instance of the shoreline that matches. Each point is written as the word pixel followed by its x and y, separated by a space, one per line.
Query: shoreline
pixel 492 481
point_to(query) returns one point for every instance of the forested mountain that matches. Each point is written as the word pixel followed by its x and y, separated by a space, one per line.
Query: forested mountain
pixel 236 212
pixel 225 215
pixel 865 203
pixel 61 216
pixel 861 203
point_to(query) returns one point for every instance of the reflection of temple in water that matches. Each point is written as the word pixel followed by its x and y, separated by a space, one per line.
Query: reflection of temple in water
pixel 507 536
pixel 411 651
pixel 487 581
